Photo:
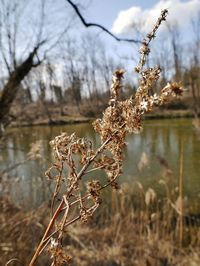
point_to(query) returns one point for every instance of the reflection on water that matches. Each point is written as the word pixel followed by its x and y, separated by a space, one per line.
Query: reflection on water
pixel 160 141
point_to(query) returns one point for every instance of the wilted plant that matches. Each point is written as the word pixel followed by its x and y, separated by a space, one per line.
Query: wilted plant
pixel 76 157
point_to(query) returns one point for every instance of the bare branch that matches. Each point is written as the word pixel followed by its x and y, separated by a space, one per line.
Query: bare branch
pixel 90 24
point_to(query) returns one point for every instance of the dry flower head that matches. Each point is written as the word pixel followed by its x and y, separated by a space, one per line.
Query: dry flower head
pixel 76 157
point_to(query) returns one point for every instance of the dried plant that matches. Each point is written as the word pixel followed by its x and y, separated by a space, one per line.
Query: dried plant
pixel 76 157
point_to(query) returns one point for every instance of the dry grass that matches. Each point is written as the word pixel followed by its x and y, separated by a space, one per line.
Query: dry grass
pixel 135 228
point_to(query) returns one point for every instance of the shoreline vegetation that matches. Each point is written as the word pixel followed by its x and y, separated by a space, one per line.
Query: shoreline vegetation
pixel 70 120
pixel 137 228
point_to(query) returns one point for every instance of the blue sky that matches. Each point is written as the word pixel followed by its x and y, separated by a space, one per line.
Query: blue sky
pixel 106 11
pixel 118 16
pixel 123 13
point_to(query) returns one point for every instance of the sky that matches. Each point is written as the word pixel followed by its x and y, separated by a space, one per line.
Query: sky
pixel 180 13
pixel 107 10
pixel 119 16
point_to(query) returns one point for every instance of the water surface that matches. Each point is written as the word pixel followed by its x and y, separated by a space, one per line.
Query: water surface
pixel 159 145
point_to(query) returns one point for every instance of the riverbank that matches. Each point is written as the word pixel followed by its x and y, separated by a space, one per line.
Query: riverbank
pixel 38 114
pixel 64 120
pixel 170 114
pixel 77 119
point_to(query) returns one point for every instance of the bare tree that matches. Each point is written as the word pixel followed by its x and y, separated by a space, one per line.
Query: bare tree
pixel 20 50
pixel 176 45
pixel 17 68
pixel 12 85
pixel 191 75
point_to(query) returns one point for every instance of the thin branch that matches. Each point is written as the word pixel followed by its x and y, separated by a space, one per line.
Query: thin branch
pixel 144 49
pixel 12 167
pixel 90 24
pixel 94 169
pixel 13 260
pixel 57 230
pixel 53 45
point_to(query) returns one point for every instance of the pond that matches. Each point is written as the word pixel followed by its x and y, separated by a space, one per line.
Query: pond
pixel 149 157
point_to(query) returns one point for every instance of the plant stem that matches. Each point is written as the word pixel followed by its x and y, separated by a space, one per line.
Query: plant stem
pixel 49 227
pixel 181 195
pixel 61 205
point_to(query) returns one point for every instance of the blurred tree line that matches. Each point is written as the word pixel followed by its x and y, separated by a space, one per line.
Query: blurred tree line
pixel 47 69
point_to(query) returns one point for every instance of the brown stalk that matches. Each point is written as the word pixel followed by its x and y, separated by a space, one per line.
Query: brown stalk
pixel 64 217
pixel 14 260
pixel 56 188
pixel 181 195
pixel 46 238
pixel 120 118
pixel 49 227
pixel 144 50
pixel 60 207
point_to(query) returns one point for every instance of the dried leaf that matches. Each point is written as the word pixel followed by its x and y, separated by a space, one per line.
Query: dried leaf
pixel 150 196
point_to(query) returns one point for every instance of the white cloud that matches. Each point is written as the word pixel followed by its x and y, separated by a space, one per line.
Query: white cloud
pixel 179 12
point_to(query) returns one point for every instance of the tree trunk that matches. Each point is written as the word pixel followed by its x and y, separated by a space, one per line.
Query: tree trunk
pixel 11 88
